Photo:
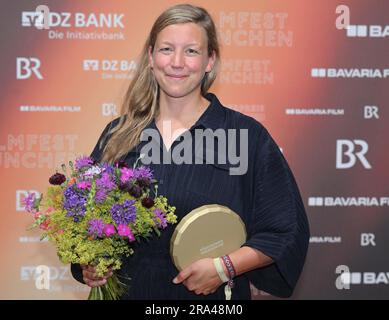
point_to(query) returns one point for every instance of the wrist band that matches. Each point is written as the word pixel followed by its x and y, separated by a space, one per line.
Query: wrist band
pixel 230 267
pixel 220 270
pixel 223 277
pixel 232 273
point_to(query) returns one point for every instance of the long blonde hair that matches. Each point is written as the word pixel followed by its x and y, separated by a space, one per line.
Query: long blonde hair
pixel 141 102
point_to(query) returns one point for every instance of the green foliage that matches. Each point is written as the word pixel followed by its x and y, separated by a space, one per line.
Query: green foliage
pixel 75 245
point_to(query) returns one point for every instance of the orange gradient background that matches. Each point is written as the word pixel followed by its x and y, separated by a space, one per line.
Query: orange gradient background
pixel 308 142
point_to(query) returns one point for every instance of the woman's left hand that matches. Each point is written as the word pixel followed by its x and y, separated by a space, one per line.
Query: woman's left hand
pixel 201 277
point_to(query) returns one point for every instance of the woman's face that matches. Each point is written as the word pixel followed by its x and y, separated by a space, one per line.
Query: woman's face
pixel 180 59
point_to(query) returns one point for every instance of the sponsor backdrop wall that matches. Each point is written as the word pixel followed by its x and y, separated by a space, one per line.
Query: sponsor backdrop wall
pixel 320 88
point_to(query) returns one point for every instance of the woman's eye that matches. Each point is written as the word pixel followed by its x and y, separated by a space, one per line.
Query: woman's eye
pixel 192 51
pixel 165 50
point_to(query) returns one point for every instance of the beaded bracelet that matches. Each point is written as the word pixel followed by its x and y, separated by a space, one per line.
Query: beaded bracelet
pixel 230 268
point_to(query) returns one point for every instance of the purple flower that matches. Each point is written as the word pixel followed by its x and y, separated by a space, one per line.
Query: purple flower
pixel 108 168
pixel 161 221
pixel 30 202
pixel 84 185
pixel 96 227
pixel 143 177
pixel 143 172
pixel 125 231
pixel 126 174
pixel 109 230
pixel 74 203
pixel 100 196
pixel 124 213
pixel 83 162
pixel 105 182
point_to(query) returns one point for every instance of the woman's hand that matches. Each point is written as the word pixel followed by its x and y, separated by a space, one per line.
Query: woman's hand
pixel 91 279
pixel 201 277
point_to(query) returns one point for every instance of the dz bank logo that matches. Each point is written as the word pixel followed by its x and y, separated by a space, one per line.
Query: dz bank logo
pixel 348 151
pixel 26 67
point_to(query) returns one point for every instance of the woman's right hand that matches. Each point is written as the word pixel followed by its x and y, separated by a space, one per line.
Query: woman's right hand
pixel 90 277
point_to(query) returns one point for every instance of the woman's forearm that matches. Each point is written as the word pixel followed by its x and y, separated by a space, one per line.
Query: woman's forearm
pixel 246 259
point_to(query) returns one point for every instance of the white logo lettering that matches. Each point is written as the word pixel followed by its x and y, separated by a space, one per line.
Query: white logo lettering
pixel 370 112
pixel 367 239
pixel 109 109
pixel 343 20
pixel 91 65
pixel 343 280
pixel 42 280
pixel 349 153
pixel 25 67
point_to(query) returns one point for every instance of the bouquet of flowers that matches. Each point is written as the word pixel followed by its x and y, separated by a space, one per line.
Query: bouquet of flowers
pixel 93 212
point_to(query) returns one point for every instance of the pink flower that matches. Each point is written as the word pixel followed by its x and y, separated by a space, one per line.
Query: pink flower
pixel 84 185
pixel 126 175
pixel 45 224
pixel 109 230
pixel 43 218
pixel 38 214
pixel 131 236
pixel 125 231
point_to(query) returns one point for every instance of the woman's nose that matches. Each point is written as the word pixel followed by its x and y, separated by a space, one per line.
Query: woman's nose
pixel 177 60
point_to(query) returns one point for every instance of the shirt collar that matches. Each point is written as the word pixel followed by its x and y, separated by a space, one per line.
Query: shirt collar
pixel 212 118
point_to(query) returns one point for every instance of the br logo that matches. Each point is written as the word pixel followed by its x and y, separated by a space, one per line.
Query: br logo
pixel 348 151
pixel 27 67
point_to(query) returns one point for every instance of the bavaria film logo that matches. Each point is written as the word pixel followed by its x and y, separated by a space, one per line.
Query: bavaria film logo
pixel 348 201
pixel 363 31
pixel 347 73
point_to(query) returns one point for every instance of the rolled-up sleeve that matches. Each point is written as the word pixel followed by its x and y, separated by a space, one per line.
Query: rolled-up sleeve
pixel 278 225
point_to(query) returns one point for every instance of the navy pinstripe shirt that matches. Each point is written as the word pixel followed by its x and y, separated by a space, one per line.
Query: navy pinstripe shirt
pixel 266 197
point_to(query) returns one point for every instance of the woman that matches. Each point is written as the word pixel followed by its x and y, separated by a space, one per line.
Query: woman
pixel 170 90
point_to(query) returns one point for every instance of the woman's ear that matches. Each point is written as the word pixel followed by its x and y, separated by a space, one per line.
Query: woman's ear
pixel 211 62
pixel 151 61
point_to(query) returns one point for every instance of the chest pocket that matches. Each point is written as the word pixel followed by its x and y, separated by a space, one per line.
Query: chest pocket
pixel 214 183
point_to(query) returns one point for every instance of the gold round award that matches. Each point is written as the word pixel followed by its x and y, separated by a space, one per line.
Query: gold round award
pixel 209 231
